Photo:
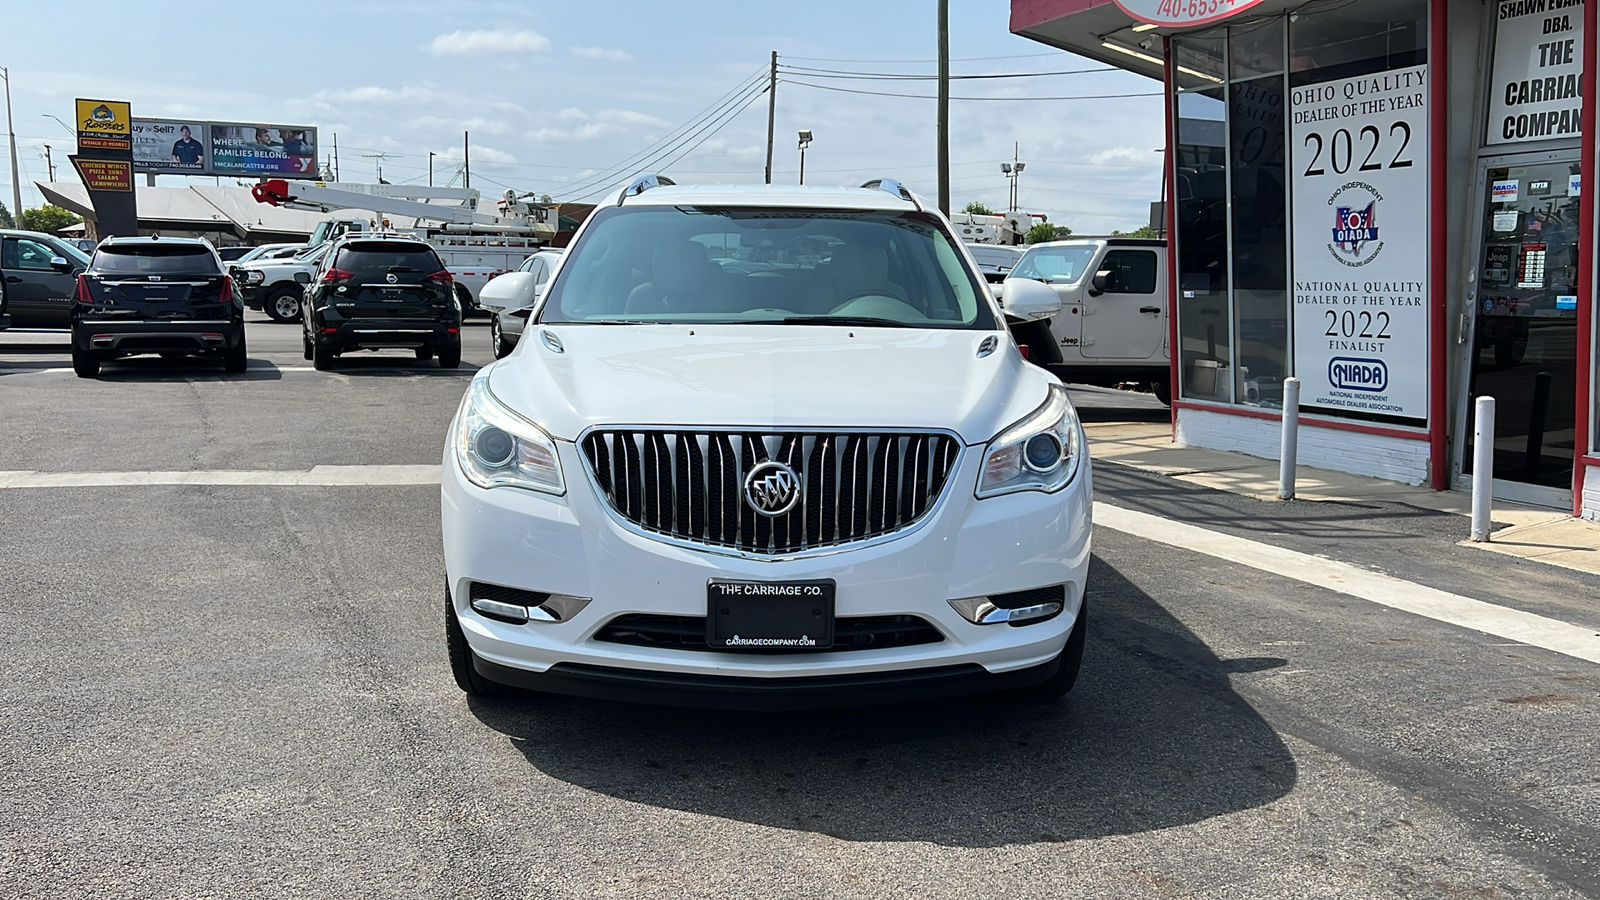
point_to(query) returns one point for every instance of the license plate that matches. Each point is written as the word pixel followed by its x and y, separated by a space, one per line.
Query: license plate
pixel 769 615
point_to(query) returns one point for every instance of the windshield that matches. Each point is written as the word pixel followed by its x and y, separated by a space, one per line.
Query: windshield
pixel 155 259
pixel 1063 264
pixel 766 266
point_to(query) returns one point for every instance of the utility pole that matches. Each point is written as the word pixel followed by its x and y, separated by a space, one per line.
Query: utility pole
pixel 430 168
pixel 944 106
pixel 336 156
pixel 16 183
pixel 466 159
pixel 772 111
pixel 49 163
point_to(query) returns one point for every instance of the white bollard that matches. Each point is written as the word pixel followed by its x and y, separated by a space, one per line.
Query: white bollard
pixel 1289 441
pixel 1482 468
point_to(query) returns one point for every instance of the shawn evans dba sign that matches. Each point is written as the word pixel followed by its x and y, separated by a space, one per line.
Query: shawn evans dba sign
pixel 1536 91
pixel 1359 153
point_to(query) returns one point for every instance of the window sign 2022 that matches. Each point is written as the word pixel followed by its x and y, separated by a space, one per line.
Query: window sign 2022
pixel 1359 182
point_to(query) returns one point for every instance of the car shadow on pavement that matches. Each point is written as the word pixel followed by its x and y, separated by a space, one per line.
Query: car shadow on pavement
pixel 1152 737
pixel 397 366
pixel 187 368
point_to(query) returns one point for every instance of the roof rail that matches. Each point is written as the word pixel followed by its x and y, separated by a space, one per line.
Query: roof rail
pixel 642 183
pixel 895 188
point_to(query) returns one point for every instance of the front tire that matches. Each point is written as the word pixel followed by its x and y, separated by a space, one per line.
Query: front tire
pixel 1071 661
pixel 502 347
pixel 282 305
pixel 85 363
pixel 1163 391
pixel 461 657
pixel 450 355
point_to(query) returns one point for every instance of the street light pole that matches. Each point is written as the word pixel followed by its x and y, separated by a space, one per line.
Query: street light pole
pixel 11 134
pixel 805 140
pixel 430 168
pixel 943 158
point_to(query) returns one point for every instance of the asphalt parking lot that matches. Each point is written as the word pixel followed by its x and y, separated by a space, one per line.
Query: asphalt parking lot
pixel 240 690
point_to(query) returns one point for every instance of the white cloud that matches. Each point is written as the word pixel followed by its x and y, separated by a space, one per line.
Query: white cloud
pixel 1126 154
pixel 484 43
pixel 602 53
pixel 375 94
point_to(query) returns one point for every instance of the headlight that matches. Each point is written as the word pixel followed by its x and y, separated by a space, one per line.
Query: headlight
pixel 254 276
pixel 495 447
pixel 1039 453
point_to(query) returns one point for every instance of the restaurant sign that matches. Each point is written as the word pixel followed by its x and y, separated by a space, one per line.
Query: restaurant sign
pixel 1183 13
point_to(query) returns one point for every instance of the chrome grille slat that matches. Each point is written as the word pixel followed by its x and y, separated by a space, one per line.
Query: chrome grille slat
pixel 689 485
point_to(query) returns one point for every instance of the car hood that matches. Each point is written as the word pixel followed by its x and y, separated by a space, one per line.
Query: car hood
pixel 767 376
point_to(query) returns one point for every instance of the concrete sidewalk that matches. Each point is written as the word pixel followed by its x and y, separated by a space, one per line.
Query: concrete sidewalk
pixel 1546 535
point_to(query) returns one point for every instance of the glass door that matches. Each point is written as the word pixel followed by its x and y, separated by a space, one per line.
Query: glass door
pixel 1525 343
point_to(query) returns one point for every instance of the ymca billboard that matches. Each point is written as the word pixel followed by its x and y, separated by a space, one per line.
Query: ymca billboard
pixel 193 147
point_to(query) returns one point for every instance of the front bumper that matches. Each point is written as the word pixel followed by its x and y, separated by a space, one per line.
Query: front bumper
pixel 571 545
pixel 154 336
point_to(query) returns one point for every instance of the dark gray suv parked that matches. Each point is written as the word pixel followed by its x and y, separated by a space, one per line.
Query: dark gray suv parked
pixel 40 273
pixel 156 295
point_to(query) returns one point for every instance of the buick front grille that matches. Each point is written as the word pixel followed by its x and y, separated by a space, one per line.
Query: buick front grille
pixel 689 632
pixel 690 485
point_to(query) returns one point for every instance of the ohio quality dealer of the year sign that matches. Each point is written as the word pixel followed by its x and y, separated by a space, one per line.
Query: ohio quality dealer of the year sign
pixel 1359 154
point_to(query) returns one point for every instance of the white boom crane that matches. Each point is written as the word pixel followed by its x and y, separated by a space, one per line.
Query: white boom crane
pixel 517 214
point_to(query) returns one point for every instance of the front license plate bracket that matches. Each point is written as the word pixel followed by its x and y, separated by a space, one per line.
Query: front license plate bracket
pixel 770 616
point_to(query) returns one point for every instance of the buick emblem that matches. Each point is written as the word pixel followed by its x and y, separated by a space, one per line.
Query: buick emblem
pixel 772 488
pixel 155 277
pixel 390 278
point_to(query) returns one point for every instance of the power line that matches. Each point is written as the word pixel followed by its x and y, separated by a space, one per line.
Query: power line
pixel 984 98
pixel 893 76
pixel 716 109
pixel 727 114
pixel 910 61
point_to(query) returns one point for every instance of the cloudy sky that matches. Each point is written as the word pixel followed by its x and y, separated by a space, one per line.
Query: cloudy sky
pixel 567 98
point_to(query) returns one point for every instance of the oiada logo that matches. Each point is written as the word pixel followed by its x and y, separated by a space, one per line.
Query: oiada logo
pixel 772 488
pixel 1370 375
pixel 1355 224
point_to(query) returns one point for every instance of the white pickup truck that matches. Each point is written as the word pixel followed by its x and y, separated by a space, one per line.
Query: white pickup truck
pixel 1113 324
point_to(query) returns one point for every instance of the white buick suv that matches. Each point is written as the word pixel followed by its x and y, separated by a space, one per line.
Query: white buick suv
pixel 766 447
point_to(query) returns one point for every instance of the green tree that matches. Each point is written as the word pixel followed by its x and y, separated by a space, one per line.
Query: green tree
pixel 1143 231
pixel 1044 231
pixel 48 219
pixel 5 218
pixel 976 208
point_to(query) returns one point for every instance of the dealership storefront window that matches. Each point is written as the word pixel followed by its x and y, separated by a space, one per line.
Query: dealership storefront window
pixel 1383 199
pixel 1349 164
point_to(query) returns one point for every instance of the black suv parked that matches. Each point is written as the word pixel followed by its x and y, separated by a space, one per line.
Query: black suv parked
pixel 379 292
pixel 156 295
pixel 40 272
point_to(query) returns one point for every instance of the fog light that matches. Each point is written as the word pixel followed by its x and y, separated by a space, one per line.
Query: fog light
pixel 509 612
pixel 982 611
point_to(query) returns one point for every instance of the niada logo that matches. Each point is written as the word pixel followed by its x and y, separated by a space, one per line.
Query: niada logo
pixel 1355 224
pixel 1371 375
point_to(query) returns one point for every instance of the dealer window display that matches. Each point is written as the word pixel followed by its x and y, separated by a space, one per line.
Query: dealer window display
pixel 1319 154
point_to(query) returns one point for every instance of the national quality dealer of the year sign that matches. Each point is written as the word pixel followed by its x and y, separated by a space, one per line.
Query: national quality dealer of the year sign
pixel 1359 153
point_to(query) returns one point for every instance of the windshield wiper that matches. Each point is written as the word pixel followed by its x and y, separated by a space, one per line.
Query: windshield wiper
pixel 863 321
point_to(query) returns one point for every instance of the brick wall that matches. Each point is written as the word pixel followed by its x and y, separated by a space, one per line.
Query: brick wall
pixel 1378 456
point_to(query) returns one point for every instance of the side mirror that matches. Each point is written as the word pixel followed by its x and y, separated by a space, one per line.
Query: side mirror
pixel 1028 300
pixel 511 291
pixel 61 264
pixel 1100 283
pixel 303 277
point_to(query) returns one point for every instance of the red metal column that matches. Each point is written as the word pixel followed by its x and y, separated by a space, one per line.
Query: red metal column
pixel 1438 239
pixel 1587 249
pixel 1170 183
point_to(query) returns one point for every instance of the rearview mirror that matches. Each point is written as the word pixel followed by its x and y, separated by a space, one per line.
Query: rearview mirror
pixel 303 277
pixel 1100 283
pixel 1028 300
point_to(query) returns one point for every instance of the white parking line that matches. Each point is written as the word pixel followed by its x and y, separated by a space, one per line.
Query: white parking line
pixel 1354 581
pixel 1344 578
pixel 320 476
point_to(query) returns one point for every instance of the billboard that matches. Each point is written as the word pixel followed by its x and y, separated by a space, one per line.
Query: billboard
pixel 193 147
pixel 170 146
